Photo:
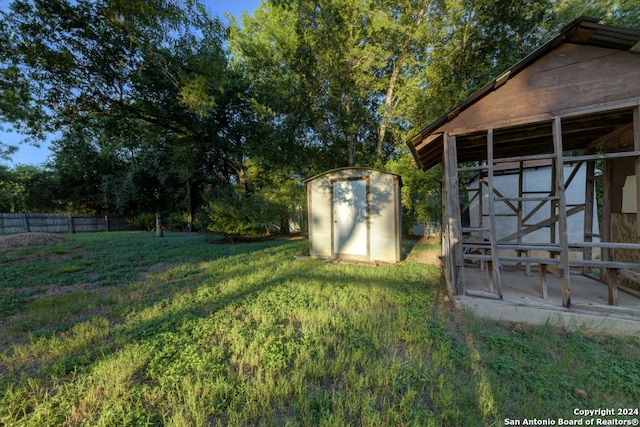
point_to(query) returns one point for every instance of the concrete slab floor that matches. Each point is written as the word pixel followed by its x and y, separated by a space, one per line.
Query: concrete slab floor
pixel 522 302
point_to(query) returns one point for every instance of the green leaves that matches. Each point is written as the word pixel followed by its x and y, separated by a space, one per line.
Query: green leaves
pixel 156 101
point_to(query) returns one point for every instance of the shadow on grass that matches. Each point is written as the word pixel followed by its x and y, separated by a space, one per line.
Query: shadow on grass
pixel 195 322
pixel 98 260
pixel 234 278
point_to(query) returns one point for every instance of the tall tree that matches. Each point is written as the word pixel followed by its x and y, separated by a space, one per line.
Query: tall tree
pixel 325 70
pixel 26 188
pixel 404 32
pixel 112 63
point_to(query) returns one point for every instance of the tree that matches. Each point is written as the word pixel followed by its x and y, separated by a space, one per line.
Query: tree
pixel 325 72
pixel 156 108
pixel 26 188
pixel 89 68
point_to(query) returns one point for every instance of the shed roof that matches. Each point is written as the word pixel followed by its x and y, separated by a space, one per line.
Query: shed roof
pixel 358 168
pixel 426 145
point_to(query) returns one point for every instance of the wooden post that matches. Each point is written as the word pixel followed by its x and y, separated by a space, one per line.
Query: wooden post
pixel 612 284
pixel 543 280
pixel 589 200
pixel 552 203
pixel 159 232
pixel 72 229
pixel 480 203
pixel 565 273
pixel 26 223
pixel 106 222
pixel 636 147
pixel 607 201
pixel 492 218
pixel 445 235
pixel 520 202
pixel 452 217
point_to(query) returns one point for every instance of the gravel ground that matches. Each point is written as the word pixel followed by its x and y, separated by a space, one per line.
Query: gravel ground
pixel 29 239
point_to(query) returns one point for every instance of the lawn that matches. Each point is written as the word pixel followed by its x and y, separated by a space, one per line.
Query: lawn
pixel 126 329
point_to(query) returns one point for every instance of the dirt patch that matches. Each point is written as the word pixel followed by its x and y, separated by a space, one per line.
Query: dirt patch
pixel 24 240
pixel 427 255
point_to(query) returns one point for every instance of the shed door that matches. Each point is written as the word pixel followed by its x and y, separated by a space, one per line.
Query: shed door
pixel 350 215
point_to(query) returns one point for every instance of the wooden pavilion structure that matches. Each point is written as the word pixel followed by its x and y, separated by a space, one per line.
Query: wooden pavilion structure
pixel 574 101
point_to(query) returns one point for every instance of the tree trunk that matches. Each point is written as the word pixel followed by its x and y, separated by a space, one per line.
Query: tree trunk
pixel 159 232
pixel 353 149
pixel 242 180
pixel 189 207
pixel 386 112
pixel 284 226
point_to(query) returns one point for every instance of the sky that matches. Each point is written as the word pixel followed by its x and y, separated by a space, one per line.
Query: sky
pixel 30 155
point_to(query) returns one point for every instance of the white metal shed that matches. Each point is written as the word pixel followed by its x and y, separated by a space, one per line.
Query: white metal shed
pixel 356 214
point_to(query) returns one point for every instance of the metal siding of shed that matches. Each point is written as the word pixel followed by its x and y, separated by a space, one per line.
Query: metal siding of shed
pixel 384 220
pixel 320 217
pixel 384 224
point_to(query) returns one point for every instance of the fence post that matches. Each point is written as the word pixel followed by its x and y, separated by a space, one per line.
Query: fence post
pixel 106 222
pixel 159 232
pixel 26 223
pixel 71 228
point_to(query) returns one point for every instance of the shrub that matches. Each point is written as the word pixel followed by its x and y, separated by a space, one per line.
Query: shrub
pixel 145 221
pixel 238 215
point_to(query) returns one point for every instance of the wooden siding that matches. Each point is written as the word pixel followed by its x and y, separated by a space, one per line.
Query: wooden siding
pixel 623 225
pixel 569 77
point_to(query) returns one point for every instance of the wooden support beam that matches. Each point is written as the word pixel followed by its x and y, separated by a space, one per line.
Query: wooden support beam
pixel 607 200
pixel 543 280
pixel 536 209
pixel 636 147
pixel 565 273
pixel 524 158
pixel 472 168
pixel 589 207
pixel 524 199
pixel 542 224
pixel 453 217
pixel 614 139
pixel 520 205
pixel 612 284
pixel 475 196
pixel 506 200
pixel 481 201
pixel 492 219
pixel 606 156
pixel 610 245
pixel 446 259
pixel 606 264
pixel 552 203
pixel 573 174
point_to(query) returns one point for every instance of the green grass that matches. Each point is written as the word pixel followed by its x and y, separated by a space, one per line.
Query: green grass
pixel 127 329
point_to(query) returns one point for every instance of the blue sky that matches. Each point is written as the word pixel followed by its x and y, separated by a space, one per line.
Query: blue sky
pixel 30 155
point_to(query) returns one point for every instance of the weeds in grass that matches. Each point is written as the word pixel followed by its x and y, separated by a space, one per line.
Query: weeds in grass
pixel 178 332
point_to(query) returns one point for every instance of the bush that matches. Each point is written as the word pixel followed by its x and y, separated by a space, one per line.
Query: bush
pixel 175 221
pixel 238 215
pixel 145 222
